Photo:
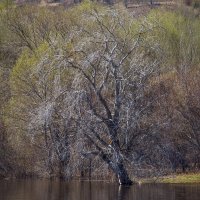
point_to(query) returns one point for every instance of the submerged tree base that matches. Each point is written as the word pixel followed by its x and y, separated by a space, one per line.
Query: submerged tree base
pixel 127 182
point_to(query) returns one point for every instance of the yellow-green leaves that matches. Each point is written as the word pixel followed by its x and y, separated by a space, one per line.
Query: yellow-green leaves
pixel 26 65
pixel 4 4
pixel 177 35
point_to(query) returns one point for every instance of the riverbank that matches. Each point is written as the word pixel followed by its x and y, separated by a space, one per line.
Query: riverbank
pixel 189 178
pixel 175 179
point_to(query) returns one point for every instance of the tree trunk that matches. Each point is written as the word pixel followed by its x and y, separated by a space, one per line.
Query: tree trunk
pixel 118 165
pixel 90 168
pixel 62 170
pixel 122 174
pixel 118 168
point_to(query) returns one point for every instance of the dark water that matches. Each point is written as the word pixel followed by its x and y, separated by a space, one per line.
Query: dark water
pixel 55 190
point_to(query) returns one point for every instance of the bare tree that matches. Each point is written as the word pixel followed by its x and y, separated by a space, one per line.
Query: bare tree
pixel 112 65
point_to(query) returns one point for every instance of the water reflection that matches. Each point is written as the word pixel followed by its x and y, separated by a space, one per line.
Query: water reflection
pixel 122 192
pixel 75 190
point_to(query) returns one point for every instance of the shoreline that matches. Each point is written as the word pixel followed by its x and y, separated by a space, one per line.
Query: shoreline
pixel 189 178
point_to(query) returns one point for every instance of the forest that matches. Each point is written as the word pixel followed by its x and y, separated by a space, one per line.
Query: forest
pixel 93 92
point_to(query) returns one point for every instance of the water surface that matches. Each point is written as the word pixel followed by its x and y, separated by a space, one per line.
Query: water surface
pixel 75 190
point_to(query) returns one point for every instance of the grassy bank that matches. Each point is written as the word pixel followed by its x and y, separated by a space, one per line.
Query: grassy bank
pixel 182 178
pixel 179 178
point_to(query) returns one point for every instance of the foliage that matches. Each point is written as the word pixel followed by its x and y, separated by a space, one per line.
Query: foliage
pixel 5 4
pixel 178 36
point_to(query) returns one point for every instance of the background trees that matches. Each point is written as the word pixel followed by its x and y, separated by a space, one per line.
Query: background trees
pixel 92 84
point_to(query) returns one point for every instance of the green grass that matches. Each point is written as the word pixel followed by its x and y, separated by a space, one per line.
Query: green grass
pixel 175 178
pixel 182 178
